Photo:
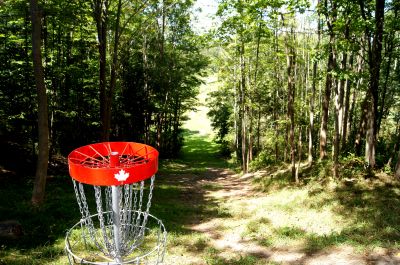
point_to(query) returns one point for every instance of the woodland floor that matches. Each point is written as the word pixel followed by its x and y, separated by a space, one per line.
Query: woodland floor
pixel 216 216
pixel 230 220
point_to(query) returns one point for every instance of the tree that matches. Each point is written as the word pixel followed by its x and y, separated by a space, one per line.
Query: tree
pixel 43 128
pixel 374 59
pixel 397 168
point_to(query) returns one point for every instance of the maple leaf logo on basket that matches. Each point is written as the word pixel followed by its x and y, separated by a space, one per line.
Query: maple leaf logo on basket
pixel 122 175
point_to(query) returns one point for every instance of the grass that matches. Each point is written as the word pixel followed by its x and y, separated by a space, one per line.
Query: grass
pixel 311 218
pixel 44 228
pixel 277 216
pixel 363 215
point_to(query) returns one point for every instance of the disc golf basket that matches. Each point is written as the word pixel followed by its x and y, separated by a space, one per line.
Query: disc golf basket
pixel 116 227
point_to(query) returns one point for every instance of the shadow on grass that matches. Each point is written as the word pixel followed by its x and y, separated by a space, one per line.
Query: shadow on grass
pixel 197 155
pixel 180 192
pixel 374 209
pixel 179 201
pixel 370 207
pixel 43 228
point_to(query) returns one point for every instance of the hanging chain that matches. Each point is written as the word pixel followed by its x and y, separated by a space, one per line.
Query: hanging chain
pixel 146 213
pixel 86 216
pixel 133 218
pixel 109 205
pixel 139 210
pixel 99 203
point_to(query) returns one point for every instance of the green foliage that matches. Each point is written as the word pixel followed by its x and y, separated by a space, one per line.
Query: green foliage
pixel 263 159
pixel 220 113
pixel 157 78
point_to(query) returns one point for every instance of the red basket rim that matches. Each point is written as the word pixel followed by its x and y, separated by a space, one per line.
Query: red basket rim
pixel 90 164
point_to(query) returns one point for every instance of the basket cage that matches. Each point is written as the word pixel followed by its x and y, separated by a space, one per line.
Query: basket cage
pixel 117 227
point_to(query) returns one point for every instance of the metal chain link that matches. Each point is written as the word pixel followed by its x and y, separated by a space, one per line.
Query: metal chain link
pixel 133 218
pixel 146 213
pixel 86 216
pixel 99 203
pixel 109 205
pixel 139 210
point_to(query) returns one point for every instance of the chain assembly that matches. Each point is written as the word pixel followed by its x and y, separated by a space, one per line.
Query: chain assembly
pixel 114 228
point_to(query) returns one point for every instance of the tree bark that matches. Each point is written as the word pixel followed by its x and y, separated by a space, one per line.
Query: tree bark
pixel 397 168
pixel 374 61
pixel 299 155
pixel 291 88
pixel 325 106
pixel 100 14
pixel 43 126
pixel 329 79
pixel 242 108
pixel 312 98
pixel 346 106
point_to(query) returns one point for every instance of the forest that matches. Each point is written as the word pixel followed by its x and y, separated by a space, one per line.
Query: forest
pixel 311 88
pixel 311 83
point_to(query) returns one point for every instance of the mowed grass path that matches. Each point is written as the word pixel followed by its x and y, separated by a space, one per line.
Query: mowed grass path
pixel 218 217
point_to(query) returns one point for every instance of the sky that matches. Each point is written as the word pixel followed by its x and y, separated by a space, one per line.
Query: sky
pixel 203 12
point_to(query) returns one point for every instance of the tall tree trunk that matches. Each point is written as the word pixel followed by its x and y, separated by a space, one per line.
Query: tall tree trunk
pixel 100 14
pixel 397 168
pixel 43 126
pixel 374 61
pixel 312 97
pixel 329 79
pixel 346 106
pixel 147 115
pixel 325 106
pixel 385 83
pixel 336 138
pixel 113 74
pixel 396 145
pixel 291 88
pixel 242 108
pixel 299 155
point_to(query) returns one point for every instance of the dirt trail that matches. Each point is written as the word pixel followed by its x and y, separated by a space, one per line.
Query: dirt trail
pixel 225 233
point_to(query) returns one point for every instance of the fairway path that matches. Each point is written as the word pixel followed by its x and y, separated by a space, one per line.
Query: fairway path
pixel 225 206
pixel 214 215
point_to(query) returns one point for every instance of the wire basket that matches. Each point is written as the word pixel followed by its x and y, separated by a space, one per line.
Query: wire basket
pixel 116 227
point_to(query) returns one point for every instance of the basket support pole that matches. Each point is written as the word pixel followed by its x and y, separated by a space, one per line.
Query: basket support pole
pixel 114 162
pixel 116 222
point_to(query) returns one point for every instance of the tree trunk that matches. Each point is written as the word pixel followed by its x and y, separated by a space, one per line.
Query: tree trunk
pixel 312 98
pixel 374 61
pixel 242 108
pixel 346 106
pixel 396 145
pixel 43 127
pixel 336 138
pixel 299 155
pixel 385 83
pixel 291 87
pixel 328 82
pixel 325 106
pixel 113 74
pixel 100 14
pixel 397 168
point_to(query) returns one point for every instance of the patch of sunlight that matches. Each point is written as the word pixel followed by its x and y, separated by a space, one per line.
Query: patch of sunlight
pixel 291 208
pixel 198 119
pixel 185 248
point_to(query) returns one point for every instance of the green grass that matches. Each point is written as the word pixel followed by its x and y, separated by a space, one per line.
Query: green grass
pixel 312 217
pixel 364 215
pixel 44 228
pixel 198 154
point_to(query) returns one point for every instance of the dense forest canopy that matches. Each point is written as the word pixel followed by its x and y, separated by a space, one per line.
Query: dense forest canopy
pixel 308 80
pixel 300 80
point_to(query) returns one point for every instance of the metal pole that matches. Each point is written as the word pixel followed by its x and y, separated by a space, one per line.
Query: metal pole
pixel 114 162
pixel 116 222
